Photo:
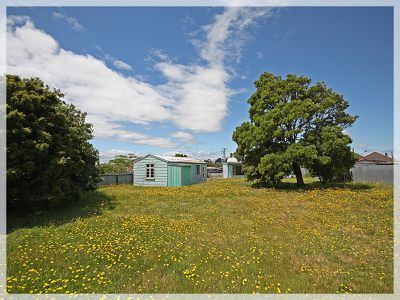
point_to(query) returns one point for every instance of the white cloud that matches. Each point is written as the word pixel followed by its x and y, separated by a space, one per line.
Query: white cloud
pixel 195 153
pixel 17 20
pixel 201 94
pixel 183 136
pixel 72 22
pixel 106 155
pixel 122 65
pixel 201 90
pixel 158 53
pixel 194 96
pixel 259 55
pixel 119 64
pixel 109 129
pixel 109 98
pixel 225 37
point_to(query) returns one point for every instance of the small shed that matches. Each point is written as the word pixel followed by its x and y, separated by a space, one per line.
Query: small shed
pixel 160 170
pixel 232 168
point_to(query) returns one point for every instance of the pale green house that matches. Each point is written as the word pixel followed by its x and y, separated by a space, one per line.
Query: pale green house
pixel 160 170
pixel 232 168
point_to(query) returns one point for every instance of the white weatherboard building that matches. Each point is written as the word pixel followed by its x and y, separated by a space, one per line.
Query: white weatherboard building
pixel 232 168
pixel 160 170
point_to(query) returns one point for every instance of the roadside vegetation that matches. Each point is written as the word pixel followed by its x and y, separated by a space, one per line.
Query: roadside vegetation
pixel 119 164
pixel 223 236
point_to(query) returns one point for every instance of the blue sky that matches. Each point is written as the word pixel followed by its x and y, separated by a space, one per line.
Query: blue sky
pixel 167 80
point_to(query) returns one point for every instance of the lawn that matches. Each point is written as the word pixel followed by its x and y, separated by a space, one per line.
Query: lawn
pixel 223 236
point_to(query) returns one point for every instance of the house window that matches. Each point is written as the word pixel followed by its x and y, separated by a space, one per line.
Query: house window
pixel 197 169
pixel 150 171
pixel 237 170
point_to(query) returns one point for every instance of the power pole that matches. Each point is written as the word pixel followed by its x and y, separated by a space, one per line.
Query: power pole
pixel 224 154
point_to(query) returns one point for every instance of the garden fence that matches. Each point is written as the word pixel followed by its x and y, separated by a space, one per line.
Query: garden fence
pixel 116 178
pixel 373 173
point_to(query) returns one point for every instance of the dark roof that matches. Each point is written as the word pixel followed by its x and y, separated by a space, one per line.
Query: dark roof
pixel 376 157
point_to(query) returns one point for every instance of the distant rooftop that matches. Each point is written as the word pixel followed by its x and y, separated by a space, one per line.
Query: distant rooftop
pixel 376 157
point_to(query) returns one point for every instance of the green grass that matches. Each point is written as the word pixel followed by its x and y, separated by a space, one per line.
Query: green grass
pixel 223 236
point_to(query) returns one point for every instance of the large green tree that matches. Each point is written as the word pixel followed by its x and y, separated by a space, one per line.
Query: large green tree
pixel 294 124
pixel 121 163
pixel 49 157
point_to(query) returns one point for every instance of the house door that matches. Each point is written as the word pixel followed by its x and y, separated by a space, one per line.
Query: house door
pixel 185 175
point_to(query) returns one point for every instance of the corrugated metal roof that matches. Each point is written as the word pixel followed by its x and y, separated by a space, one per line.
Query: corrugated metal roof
pixel 180 159
pixel 174 159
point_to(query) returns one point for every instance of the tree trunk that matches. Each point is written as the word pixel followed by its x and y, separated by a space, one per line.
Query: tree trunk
pixel 299 175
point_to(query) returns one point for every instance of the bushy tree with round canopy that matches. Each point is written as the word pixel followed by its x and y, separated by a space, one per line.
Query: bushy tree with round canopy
pixel 49 157
pixel 294 124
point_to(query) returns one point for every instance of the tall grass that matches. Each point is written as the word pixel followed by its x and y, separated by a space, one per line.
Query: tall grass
pixel 223 236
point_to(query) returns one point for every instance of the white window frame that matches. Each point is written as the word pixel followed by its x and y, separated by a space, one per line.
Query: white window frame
pixel 197 170
pixel 150 172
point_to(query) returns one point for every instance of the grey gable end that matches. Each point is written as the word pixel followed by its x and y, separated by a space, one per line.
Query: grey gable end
pixel 154 170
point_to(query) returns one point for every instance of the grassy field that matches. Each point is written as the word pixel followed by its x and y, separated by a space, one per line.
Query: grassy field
pixel 222 236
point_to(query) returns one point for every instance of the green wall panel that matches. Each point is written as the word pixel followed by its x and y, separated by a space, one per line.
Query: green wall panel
pixel 174 175
pixel 185 175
